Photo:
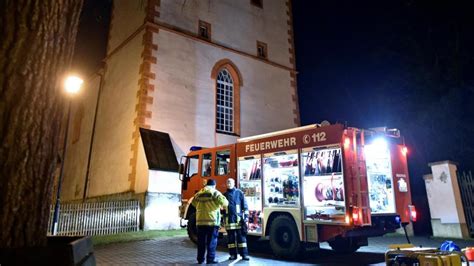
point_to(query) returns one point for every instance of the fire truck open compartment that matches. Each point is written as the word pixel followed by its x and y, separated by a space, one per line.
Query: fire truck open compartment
pixel 323 183
pixel 379 175
pixel 249 171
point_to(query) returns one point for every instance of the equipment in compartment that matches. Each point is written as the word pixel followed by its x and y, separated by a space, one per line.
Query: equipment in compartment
pixel 333 191
pixel 281 179
pixel 322 162
pixel 255 221
pixel 255 172
pixel 323 184
pixel 249 169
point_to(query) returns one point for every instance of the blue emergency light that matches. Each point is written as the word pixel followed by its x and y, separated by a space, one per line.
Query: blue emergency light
pixel 195 148
pixel 397 219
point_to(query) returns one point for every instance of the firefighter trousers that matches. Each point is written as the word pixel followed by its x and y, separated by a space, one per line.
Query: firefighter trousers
pixel 207 241
pixel 237 242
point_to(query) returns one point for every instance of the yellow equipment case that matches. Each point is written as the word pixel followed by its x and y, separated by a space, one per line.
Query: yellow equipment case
pixel 418 256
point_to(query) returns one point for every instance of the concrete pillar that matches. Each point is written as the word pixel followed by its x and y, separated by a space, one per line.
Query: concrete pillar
pixel 444 199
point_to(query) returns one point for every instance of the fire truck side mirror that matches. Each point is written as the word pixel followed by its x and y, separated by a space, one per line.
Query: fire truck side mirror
pixel 181 169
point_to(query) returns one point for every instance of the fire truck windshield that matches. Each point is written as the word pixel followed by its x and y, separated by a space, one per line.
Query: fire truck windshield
pixel 192 166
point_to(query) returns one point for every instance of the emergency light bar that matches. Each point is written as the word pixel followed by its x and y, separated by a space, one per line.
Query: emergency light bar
pixel 391 132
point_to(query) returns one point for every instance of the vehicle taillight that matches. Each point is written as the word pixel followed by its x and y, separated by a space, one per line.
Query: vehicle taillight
pixel 412 210
pixel 404 151
pixel 356 219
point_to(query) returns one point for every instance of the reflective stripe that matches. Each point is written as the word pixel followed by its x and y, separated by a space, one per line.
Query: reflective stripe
pixel 206 223
pixel 242 245
pixel 232 226
pixel 231 245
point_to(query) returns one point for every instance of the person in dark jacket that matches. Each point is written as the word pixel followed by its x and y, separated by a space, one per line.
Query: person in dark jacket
pixel 236 214
pixel 208 202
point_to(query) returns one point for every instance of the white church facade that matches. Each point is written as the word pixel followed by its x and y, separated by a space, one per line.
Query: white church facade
pixel 200 73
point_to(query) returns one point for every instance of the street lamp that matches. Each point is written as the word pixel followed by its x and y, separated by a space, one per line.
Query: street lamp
pixel 72 86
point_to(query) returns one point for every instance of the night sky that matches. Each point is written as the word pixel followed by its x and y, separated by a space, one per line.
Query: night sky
pixel 400 64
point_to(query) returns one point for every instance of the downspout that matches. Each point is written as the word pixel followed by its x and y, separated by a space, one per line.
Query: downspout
pixel 101 84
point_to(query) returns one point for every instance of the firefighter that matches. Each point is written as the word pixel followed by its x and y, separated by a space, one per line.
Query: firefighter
pixel 208 202
pixel 236 213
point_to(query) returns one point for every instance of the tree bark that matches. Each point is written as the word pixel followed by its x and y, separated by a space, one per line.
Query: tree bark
pixel 36 46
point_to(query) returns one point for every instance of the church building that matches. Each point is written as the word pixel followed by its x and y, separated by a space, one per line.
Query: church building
pixel 178 73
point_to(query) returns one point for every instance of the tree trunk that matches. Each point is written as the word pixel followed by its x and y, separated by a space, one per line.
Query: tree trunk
pixel 36 46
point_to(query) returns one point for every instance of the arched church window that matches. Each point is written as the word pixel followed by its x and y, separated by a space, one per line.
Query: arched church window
pixel 228 81
pixel 225 102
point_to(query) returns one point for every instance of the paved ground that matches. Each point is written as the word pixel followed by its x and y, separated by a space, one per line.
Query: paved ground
pixel 181 251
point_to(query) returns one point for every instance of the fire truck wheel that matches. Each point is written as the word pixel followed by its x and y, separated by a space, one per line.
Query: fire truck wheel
pixel 284 237
pixel 191 228
pixel 344 245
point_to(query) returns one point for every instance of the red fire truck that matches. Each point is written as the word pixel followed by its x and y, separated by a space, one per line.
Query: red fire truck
pixel 309 184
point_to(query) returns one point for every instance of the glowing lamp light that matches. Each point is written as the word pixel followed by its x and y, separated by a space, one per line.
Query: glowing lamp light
pixel 348 220
pixel 380 144
pixel 73 84
pixel 347 142
pixel 413 214
pixel 397 219
pixel 404 151
pixel 377 146
pixel 355 217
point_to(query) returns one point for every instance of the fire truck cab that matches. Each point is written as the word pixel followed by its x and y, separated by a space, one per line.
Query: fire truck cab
pixel 309 184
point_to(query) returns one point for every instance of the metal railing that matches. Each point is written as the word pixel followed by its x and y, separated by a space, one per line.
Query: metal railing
pixel 466 185
pixel 97 218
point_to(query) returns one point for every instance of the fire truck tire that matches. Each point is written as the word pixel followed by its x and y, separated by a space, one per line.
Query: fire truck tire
pixel 344 245
pixel 191 228
pixel 284 237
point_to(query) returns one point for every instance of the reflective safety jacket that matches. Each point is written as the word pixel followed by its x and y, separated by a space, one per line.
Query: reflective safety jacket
pixel 208 202
pixel 236 208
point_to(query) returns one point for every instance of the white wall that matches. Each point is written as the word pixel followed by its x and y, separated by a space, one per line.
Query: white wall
pixel 75 166
pixel 443 194
pixel 162 201
pixel 111 157
pixel 184 96
pixel 164 182
pixel 111 152
pixel 236 24
pixel 183 99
